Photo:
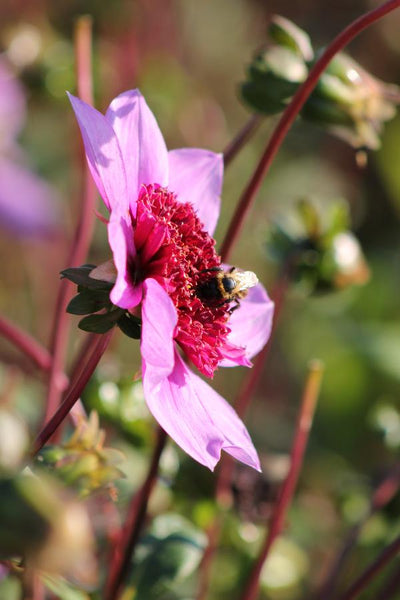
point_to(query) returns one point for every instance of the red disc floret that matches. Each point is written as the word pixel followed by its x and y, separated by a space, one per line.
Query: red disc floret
pixel 174 248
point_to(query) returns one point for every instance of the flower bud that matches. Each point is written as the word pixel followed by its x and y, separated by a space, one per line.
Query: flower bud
pixel 83 461
pixel 351 103
pixel 321 255
pixel 276 72
pixel 285 33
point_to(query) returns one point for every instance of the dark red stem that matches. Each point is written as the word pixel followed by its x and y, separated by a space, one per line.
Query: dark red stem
pixel 73 393
pixel 134 524
pixel 290 115
pixel 26 343
pixel 374 569
pixel 84 229
pixel 241 138
pixel 304 422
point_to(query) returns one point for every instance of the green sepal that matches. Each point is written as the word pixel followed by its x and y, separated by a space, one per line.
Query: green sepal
pixel 100 323
pixel 285 33
pixel 81 276
pixel 130 326
pixel 88 302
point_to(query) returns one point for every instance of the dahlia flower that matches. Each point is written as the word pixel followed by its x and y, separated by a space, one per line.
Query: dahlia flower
pixel 27 203
pixel 163 211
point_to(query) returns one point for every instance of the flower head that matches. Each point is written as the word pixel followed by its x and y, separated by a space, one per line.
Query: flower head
pixel 163 211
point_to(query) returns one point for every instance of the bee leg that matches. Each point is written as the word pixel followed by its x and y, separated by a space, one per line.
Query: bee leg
pixel 237 305
pixel 232 269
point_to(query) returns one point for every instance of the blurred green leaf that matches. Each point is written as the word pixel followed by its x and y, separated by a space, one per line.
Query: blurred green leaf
pixel 63 589
pixel 169 554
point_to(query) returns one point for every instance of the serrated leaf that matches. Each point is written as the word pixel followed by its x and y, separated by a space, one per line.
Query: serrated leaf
pixel 130 326
pixel 100 323
pixel 88 302
pixel 81 276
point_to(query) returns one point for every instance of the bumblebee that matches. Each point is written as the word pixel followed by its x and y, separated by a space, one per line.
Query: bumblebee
pixel 226 286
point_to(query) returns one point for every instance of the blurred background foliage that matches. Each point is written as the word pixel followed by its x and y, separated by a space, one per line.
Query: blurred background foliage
pixel 189 58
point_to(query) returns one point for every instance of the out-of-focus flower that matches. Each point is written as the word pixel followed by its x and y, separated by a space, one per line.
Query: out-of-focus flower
pixel 83 461
pixel 321 254
pixel 347 100
pixel 47 527
pixel 163 211
pixel 28 206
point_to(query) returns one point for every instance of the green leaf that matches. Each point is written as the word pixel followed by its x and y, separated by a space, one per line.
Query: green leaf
pixel 130 326
pixel 169 555
pixel 81 276
pixel 88 302
pixel 100 323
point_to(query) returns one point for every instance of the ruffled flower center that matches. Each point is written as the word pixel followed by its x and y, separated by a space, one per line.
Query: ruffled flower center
pixel 174 248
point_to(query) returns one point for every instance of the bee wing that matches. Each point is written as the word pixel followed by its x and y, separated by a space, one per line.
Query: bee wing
pixel 245 280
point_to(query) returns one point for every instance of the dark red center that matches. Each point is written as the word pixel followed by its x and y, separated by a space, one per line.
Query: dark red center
pixel 174 248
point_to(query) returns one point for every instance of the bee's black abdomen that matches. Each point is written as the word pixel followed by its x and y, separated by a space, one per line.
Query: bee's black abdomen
pixel 208 290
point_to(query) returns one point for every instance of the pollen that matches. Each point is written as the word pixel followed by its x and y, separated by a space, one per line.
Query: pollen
pixel 174 248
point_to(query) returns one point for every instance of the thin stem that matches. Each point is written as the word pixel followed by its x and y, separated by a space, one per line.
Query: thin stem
pixel 374 569
pixel 289 116
pixel 304 422
pixel 26 343
pixel 83 232
pixel 385 491
pixel 134 524
pixel 241 139
pixel 73 393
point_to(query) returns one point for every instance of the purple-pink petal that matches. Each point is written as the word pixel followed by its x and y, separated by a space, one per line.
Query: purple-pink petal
pixel 28 206
pixel 126 293
pixel 159 320
pixel 12 106
pixel 196 176
pixel 140 139
pixel 198 419
pixel 103 154
pixel 251 324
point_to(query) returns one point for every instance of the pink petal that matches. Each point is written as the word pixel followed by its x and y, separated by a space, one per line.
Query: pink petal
pixel 159 320
pixel 103 154
pixel 140 139
pixel 251 324
pixel 200 421
pixel 28 206
pixel 196 176
pixel 12 105
pixel 126 293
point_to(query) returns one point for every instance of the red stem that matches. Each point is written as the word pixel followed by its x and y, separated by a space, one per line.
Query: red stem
pixel 133 526
pixel 73 393
pixel 308 404
pixel 376 567
pixel 241 138
pixel 289 116
pixel 26 343
pixel 83 232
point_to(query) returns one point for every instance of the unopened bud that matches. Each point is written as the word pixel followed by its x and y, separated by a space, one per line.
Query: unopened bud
pixel 285 33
